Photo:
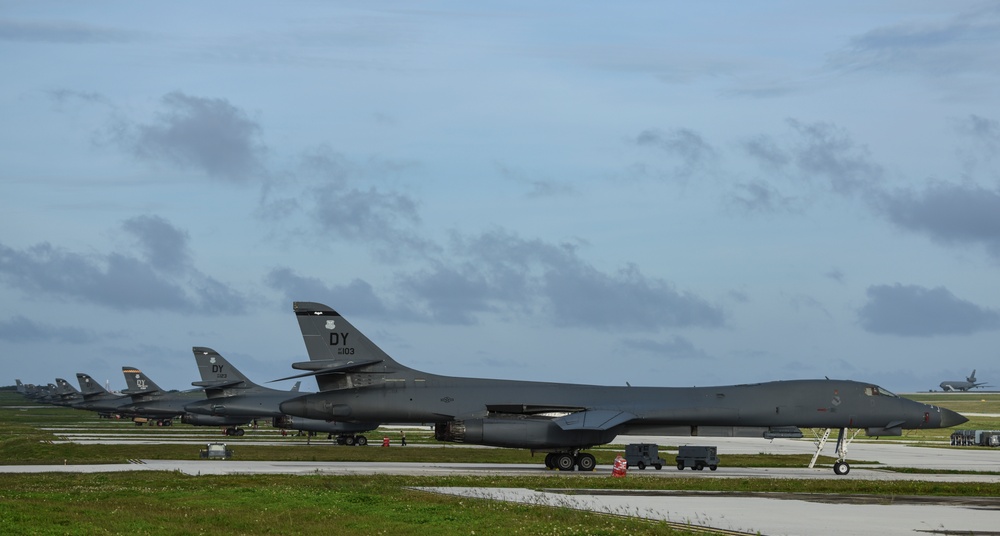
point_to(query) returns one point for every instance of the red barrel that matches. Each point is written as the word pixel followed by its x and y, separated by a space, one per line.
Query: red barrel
pixel 620 468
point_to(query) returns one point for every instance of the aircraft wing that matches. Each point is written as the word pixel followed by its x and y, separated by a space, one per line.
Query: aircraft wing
pixel 594 419
pixel 574 418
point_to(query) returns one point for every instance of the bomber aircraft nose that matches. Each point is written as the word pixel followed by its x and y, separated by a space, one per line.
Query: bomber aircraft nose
pixel 951 418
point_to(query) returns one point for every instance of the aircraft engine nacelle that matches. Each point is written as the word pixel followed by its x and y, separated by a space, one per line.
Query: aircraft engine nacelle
pixel 519 432
pixel 211 420
pixel 289 422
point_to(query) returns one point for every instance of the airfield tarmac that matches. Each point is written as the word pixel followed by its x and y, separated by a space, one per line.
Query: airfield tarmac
pixel 764 513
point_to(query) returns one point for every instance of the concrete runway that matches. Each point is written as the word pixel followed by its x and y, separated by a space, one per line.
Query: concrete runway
pixel 770 514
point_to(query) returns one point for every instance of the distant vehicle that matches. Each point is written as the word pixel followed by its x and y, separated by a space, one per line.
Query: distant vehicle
pixel 958 385
pixel 216 450
pixel 361 383
pixel 697 458
pixel 643 455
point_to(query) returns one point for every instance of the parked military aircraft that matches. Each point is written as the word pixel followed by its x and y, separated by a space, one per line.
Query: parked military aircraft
pixel 31 391
pixel 360 382
pixel 65 394
pixel 230 393
pixel 958 385
pixel 148 400
pixel 97 398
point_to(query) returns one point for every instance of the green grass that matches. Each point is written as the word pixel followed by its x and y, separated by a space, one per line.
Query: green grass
pixel 173 503
pixel 168 503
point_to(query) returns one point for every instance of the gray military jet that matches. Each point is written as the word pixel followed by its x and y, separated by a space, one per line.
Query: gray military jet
pixel 65 394
pixel 97 398
pixel 32 391
pixel 958 385
pixel 149 401
pixel 360 382
pixel 230 393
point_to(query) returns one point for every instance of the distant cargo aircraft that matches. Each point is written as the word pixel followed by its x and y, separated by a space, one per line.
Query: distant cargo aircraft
pixel 958 385
pixel 360 382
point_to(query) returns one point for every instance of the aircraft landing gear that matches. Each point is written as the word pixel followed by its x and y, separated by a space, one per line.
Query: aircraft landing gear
pixel 233 431
pixel 570 461
pixel 840 467
pixel 586 462
pixel 350 439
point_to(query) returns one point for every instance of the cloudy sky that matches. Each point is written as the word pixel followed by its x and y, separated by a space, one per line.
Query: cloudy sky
pixel 660 193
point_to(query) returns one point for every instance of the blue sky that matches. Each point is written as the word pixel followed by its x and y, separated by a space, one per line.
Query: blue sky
pixel 662 193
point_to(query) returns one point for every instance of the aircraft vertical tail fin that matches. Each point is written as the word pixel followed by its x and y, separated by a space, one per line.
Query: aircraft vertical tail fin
pixel 65 389
pixel 972 379
pixel 217 371
pixel 138 383
pixel 88 386
pixel 20 387
pixel 337 348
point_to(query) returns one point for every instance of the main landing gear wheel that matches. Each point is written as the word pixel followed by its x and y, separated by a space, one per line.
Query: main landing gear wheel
pixel 361 440
pixel 586 462
pixel 841 468
pixel 564 461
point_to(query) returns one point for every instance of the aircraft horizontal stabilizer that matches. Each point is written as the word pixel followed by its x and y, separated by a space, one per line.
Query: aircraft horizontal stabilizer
pixel 595 419
pixel 139 391
pixel 217 384
pixel 319 368
pixel 328 366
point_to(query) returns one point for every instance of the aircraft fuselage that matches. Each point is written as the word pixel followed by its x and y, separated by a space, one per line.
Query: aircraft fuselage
pixel 500 404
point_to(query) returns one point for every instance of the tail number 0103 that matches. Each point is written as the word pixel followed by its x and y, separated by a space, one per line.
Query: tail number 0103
pixel 340 339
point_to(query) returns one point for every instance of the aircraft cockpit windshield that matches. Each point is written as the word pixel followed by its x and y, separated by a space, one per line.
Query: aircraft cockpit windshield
pixel 874 390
